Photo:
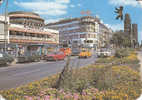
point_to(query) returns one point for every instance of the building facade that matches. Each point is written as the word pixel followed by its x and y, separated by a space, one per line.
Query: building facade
pixel 135 32
pixel 127 24
pixel 131 30
pixel 27 33
pixel 105 35
pixel 85 31
pixel 4 29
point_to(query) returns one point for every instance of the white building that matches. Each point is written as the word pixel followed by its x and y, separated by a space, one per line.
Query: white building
pixel 26 32
pixel 86 31
pixel 4 33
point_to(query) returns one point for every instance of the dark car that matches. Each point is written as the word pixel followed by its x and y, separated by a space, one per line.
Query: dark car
pixel 5 58
pixel 29 58
pixel 54 56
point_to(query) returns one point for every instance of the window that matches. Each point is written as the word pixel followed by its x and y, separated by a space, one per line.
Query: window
pixel 88 41
pixel 82 35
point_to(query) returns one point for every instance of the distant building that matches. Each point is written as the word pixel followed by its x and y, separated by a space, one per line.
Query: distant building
pixel 104 34
pixel 27 33
pixel 86 31
pixel 135 32
pixel 127 24
pixel 131 30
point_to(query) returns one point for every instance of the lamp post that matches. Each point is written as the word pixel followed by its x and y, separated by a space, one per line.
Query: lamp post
pixel 6 27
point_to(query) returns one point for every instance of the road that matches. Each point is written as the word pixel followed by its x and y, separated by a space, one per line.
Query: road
pixel 19 74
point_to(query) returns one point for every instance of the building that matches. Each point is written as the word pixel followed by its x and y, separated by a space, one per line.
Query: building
pixel 135 32
pixel 131 30
pixel 85 31
pixel 4 37
pixel 105 35
pixel 27 33
pixel 127 24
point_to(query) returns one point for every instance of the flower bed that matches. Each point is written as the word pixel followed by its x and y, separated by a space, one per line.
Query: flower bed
pixel 120 79
pixel 131 60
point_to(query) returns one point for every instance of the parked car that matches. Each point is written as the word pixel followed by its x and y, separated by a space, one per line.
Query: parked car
pixel 5 58
pixel 66 51
pixel 54 56
pixel 85 54
pixel 104 53
pixel 26 59
pixel 75 52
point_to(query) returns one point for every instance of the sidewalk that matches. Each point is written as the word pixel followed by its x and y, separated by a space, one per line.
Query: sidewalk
pixel 140 58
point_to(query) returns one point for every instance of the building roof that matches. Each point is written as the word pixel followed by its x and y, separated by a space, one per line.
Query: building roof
pixel 63 21
pixel 25 14
pixel 72 19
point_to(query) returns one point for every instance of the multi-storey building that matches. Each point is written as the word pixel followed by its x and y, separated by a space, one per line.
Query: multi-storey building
pixel 127 24
pixel 4 29
pixel 27 32
pixel 131 30
pixel 86 31
pixel 135 32
pixel 105 34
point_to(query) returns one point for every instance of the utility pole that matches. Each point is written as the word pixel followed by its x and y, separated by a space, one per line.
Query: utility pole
pixel 6 27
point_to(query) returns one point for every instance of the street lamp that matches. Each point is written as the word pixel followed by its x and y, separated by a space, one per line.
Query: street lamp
pixel 6 27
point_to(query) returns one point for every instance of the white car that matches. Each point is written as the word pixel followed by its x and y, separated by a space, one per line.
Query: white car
pixel 104 53
pixel 2 98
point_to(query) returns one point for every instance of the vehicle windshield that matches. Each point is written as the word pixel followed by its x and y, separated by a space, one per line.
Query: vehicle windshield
pixel 54 52
pixel 104 49
pixel 83 50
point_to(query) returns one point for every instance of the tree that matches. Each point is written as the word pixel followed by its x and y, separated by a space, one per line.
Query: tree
pixel 119 39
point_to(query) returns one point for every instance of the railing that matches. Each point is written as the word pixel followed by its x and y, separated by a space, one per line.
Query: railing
pixel 30 38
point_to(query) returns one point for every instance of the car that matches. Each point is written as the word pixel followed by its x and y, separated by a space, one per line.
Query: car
pixel 28 58
pixel 75 52
pixel 54 56
pixel 104 53
pixel 66 51
pixel 5 58
pixel 85 54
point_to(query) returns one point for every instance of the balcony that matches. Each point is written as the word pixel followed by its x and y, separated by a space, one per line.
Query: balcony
pixel 31 38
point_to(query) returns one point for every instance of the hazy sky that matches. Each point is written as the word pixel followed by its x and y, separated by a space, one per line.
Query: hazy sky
pixel 53 10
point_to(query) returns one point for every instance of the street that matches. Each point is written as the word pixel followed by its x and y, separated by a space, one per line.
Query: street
pixel 19 74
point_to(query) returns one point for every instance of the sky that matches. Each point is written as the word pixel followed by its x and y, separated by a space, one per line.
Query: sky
pixel 54 10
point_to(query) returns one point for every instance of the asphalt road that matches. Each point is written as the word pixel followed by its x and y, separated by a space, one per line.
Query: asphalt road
pixel 19 74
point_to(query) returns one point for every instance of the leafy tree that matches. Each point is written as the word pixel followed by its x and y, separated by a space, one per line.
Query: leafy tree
pixel 120 39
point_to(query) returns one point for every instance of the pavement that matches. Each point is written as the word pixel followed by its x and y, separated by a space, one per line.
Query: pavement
pixel 19 74
pixel 140 58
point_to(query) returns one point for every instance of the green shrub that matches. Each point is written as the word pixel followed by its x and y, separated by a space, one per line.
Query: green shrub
pixel 121 53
